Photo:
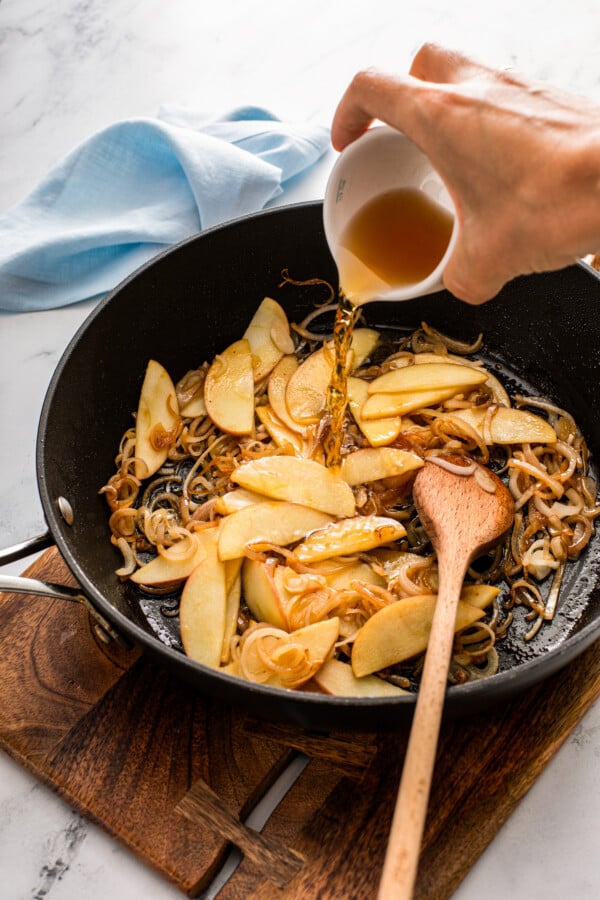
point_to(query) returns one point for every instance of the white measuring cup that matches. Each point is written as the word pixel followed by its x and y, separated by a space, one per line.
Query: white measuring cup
pixel 381 160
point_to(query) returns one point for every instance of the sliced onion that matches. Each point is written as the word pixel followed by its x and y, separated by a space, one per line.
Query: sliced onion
pixel 455 468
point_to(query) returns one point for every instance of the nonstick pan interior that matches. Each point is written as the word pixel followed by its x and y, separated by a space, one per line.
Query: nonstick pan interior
pixel 543 332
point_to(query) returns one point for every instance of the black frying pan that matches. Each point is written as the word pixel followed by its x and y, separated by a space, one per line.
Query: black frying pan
pixel 191 302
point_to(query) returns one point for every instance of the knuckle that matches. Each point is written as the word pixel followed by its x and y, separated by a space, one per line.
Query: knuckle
pixel 426 52
pixel 364 79
pixel 473 287
pixel 472 293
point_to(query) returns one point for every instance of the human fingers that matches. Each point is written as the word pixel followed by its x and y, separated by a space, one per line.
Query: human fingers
pixel 371 95
pixel 485 257
pixel 408 103
pixel 475 286
pixel 442 65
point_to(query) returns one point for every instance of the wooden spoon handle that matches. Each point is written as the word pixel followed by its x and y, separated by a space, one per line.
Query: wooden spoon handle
pixel 404 842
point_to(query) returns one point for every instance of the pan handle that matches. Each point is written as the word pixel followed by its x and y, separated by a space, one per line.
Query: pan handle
pixel 26 548
pixel 16 584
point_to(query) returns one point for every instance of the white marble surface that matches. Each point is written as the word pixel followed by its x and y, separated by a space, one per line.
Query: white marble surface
pixel 70 67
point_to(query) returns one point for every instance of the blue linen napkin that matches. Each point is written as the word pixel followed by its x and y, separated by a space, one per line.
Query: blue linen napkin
pixel 135 188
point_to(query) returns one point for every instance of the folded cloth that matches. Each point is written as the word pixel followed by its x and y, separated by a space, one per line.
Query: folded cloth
pixel 137 187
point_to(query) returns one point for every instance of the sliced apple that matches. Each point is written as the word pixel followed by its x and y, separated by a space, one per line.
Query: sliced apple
pixel 400 631
pixel 229 389
pixel 375 463
pixel 317 640
pixel 276 522
pixel 170 566
pixel 194 407
pixel 203 606
pixel 157 420
pixel 349 536
pixel 269 590
pixel 276 390
pixel 363 343
pixel 268 335
pixel 262 595
pixel 380 406
pixel 306 393
pixel 479 595
pixel 498 390
pixel 190 392
pixel 233 591
pixel 428 377
pixel 337 678
pixel 378 432
pixel 237 499
pixel 297 480
pixel 508 426
pixel 278 431
pixel 341 576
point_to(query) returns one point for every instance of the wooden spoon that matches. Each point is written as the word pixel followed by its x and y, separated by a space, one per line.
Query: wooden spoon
pixel 464 509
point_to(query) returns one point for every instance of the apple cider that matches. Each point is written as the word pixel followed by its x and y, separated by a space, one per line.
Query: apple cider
pixel 400 237
pixel 337 392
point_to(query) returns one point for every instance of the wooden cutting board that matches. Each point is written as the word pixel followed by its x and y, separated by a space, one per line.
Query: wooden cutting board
pixel 132 748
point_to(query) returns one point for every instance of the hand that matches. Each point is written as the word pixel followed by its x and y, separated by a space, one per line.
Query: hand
pixel 520 160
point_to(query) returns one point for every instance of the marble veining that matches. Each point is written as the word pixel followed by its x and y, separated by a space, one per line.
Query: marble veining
pixel 71 67
pixel 62 853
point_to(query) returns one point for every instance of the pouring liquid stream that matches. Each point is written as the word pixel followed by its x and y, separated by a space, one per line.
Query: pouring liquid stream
pixel 337 392
pixel 395 239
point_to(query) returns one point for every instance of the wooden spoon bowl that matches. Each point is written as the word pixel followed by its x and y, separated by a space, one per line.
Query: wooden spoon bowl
pixel 462 505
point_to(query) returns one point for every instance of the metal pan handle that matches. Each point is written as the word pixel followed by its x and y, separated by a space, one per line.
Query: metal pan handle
pixel 26 548
pixel 17 584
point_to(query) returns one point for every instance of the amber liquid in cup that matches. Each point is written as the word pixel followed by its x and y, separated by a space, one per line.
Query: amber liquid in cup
pixel 399 237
